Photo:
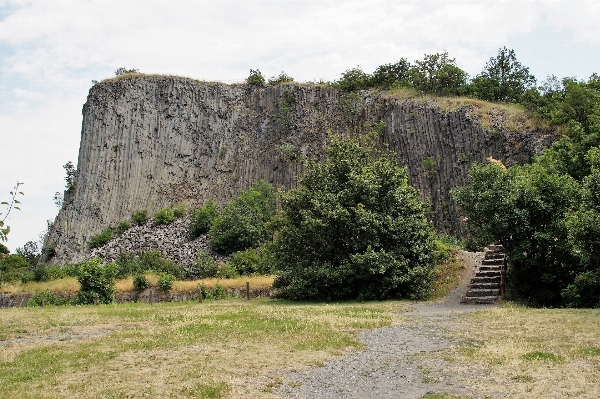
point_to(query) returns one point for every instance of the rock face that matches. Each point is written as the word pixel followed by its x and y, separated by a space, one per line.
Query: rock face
pixel 148 142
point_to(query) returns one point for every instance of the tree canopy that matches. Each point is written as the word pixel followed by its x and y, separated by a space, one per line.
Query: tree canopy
pixel 353 228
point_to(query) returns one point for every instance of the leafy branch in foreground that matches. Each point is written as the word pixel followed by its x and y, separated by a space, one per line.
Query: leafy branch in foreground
pixel 13 204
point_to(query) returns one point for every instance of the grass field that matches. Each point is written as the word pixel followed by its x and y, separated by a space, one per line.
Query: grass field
pixel 517 352
pixel 185 350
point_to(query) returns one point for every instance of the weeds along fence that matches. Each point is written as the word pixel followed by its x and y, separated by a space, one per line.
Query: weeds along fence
pixel 150 295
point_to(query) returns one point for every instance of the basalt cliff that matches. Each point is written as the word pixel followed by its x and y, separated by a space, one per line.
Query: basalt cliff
pixel 148 142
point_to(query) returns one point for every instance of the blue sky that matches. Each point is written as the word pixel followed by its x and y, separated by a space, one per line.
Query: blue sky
pixel 50 51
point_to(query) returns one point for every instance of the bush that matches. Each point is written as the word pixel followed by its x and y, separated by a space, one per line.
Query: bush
pixel 282 78
pixel 140 282
pixel 165 282
pixel 206 266
pixel 179 211
pixel 154 261
pixel 127 264
pixel 255 78
pixel 164 216
pixel 354 229
pixel 139 217
pixel 218 292
pixel 203 218
pixel 49 298
pixel 123 227
pixel 227 271
pixel 243 223
pixel 12 268
pixel 100 239
pixel 251 262
pixel 94 278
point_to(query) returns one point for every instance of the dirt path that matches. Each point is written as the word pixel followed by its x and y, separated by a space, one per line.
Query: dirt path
pixel 393 364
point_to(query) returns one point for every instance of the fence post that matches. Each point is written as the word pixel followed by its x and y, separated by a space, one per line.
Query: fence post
pixel 247 290
pixel 43 302
pixel 200 294
pixel 96 301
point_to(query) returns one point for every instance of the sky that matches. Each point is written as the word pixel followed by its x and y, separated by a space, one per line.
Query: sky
pixel 50 51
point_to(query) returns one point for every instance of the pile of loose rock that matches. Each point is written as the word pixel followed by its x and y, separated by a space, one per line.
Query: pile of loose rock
pixel 172 240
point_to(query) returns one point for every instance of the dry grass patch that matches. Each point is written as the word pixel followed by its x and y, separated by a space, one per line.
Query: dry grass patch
pixel 216 349
pixel 69 284
pixel 447 276
pixel 525 353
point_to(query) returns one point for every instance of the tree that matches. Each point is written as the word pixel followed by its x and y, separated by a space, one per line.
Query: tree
pixel 353 228
pixel 242 224
pixel 70 177
pixel 255 78
pixel 524 208
pixel 12 204
pixel 438 74
pixel 96 279
pixel 389 75
pixel 503 78
pixel 354 79
pixel 282 78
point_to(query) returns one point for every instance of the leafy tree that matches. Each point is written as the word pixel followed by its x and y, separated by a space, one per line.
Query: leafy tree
pixel 282 78
pixel 438 74
pixel 242 223
pixel 388 75
pixel 12 268
pixel 353 228
pixel 354 79
pixel 584 233
pixel 3 250
pixel 12 204
pixel 203 218
pixel 94 278
pixel 503 78
pixel 70 177
pixel 523 208
pixel 255 78
pixel 30 251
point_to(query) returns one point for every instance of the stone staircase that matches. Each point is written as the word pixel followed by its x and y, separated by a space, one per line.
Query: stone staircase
pixel 485 287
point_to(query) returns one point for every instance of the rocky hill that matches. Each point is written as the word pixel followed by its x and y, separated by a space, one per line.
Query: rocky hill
pixel 148 142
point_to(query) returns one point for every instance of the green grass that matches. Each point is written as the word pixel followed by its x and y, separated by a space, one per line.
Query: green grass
pixel 215 349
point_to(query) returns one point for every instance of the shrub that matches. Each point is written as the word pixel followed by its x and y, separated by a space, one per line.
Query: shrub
pixel 255 78
pixel 140 282
pixel 100 239
pixel 218 292
pixel 251 262
pixel 139 217
pixel 206 266
pixel 282 78
pixel 154 261
pixel 127 264
pixel 243 223
pixel 179 211
pixel 164 216
pixel 49 298
pixel 354 229
pixel 227 271
pixel 123 227
pixel 94 278
pixel 165 282
pixel 203 218
pixel 12 268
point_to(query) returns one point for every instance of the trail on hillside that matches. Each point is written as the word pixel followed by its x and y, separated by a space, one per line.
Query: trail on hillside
pixel 392 364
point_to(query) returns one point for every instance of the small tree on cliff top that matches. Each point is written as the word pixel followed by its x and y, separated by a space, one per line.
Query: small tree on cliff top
pixel 353 228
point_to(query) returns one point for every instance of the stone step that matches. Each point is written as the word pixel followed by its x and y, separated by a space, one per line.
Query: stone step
pixel 485 286
pixel 496 247
pixel 481 300
pixel 494 255
pixel 499 261
pixel 490 268
pixel 484 280
pixel 488 292
pixel 487 273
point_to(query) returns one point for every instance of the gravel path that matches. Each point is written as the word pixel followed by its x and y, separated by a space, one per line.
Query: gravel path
pixel 391 365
